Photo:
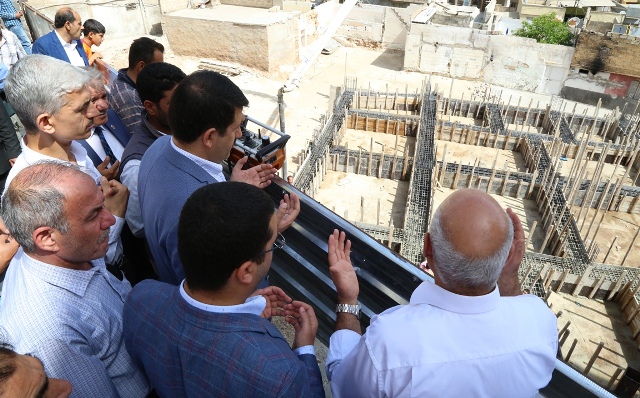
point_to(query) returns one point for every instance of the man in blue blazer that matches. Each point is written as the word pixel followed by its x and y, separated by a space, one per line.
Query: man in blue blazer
pixel 109 136
pixel 63 42
pixel 209 337
pixel 205 114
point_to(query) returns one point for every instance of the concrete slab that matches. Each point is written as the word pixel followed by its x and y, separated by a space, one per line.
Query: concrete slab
pixel 359 138
pixel 236 14
pixel 345 190
pixel 467 154
pixel 527 211
pixel 592 322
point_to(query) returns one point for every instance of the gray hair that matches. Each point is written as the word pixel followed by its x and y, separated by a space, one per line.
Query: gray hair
pixel 33 200
pixel 37 84
pixel 96 81
pixel 456 269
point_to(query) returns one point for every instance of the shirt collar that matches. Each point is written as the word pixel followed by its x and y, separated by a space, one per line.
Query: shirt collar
pixel 71 45
pixel 212 168
pixel 432 294
pixel 31 157
pixel 253 305
pixel 72 280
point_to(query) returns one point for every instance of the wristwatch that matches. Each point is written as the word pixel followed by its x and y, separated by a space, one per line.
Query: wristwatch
pixel 349 308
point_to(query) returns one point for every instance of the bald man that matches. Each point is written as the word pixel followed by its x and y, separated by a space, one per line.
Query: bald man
pixel 472 333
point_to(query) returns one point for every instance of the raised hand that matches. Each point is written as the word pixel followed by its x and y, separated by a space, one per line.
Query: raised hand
pixel 116 196
pixel 276 298
pixel 111 172
pixel 508 281
pixel 259 176
pixel 303 319
pixel 342 272
pixel 287 211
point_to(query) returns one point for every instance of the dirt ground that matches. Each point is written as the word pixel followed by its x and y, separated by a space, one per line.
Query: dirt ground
pixel 622 225
pixel 592 322
pixel 609 171
pixel 527 211
pixel 362 139
pixel 468 154
pixel 344 192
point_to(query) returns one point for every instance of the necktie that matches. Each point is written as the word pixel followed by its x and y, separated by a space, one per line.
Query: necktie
pixel 105 145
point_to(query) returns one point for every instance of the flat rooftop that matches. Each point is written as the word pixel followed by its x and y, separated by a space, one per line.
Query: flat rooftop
pixel 236 14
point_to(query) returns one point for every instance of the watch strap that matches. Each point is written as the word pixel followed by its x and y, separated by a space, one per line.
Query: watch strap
pixel 349 308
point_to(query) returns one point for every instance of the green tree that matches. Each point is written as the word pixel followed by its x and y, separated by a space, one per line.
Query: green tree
pixel 546 29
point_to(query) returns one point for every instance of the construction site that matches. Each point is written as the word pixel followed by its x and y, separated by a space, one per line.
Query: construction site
pixel 385 160
pixel 380 136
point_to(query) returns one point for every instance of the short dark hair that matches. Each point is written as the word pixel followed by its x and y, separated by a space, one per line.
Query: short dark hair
pixel 143 49
pixel 63 16
pixel 204 100
pixel 7 364
pixel 91 25
pixel 157 78
pixel 222 226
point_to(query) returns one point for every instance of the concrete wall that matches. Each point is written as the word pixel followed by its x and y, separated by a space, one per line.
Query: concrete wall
pixel 249 3
pixel 588 88
pixel 530 11
pixel 121 17
pixel 264 47
pixel 508 61
pixel 378 25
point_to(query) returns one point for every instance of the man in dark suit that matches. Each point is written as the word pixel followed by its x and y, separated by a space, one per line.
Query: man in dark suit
pixel 9 145
pixel 209 336
pixel 175 166
pixel 109 136
pixel 63 42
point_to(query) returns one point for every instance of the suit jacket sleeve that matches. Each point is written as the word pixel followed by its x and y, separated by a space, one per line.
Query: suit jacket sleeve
pixel 39 48
pixel 303 382
pixel 8 136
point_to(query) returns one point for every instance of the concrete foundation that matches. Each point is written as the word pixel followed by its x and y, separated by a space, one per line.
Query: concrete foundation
pixel 253 37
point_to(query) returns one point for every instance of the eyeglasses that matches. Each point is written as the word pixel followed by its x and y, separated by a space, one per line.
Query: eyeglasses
pixel 278 244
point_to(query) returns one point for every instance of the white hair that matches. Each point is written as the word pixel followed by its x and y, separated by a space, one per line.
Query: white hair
pixel 37 84
pixel 456 269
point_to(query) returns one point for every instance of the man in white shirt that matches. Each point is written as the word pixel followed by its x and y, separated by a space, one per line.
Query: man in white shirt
pixel 53 103
pixel 63 42
pixel 472 333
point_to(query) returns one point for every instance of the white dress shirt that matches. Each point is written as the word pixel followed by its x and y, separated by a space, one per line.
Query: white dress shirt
pixel 253 305
pixel 72 321
pixel 75 58
pixel 96 145
pixel 445 345
pixel 129 177
pixel 29 157
pixel 214 169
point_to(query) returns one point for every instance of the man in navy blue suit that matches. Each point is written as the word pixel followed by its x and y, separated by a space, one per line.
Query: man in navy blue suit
pixel 209 336
pixel 109 136
pixel 63 42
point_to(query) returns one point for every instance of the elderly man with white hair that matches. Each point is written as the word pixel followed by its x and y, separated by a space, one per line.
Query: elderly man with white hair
pixel 54 104
pixel 472 333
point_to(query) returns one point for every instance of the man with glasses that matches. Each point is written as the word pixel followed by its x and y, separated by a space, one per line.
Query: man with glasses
pixel 210 335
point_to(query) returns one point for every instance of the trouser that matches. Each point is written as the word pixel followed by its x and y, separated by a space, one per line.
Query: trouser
pixel 22 36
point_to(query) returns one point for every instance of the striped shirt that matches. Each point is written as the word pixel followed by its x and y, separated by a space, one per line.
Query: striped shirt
pixel 11 49
pixel 72 321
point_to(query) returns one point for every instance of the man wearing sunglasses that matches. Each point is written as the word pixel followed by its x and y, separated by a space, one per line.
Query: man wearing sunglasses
pixel 209 336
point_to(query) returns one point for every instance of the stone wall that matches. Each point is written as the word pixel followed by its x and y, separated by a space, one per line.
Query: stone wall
pixel 264 46
pixel 470 54
pixel 379 25
pixel 599 53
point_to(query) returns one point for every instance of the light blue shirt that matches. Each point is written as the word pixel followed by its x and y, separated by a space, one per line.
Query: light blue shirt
pixel 72 321
pixel 4 71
